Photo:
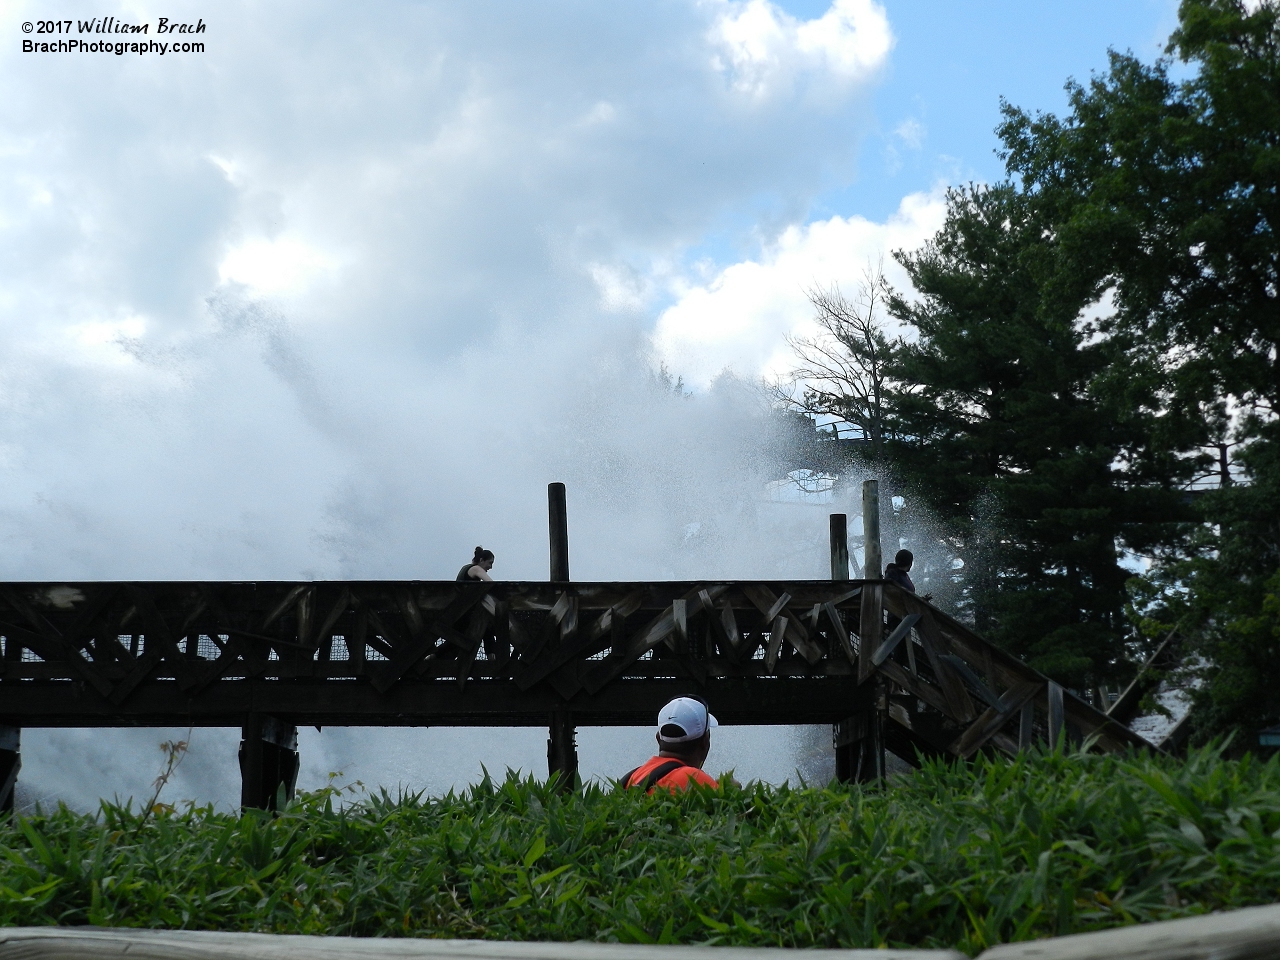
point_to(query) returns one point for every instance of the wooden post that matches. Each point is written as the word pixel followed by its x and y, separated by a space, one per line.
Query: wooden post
pixel 562 750
pixel 844 768
pixel 840 571
pixel 870 628
pixel 250 756
pixel 558 523
pixel 1057 715
pixel 1026 725
pixel 10 764
pixel 839 547
pixel 879 711
pixel 859 741
pixel 268 761
pixel 870 634
pixel 872 560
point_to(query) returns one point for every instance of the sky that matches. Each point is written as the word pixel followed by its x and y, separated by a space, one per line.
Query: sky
pixel 337 296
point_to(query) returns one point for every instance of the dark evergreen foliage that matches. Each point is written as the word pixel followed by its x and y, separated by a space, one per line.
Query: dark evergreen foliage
pixel 1095 336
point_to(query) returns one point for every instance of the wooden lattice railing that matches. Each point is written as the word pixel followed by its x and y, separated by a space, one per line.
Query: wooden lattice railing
pixel 441 652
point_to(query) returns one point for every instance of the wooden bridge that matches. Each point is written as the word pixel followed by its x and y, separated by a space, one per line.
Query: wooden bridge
pixel 886 668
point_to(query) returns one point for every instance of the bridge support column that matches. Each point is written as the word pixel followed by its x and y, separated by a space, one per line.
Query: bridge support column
pixel 562 749
pixel 859 741
pixel 268 761
pixel 10 764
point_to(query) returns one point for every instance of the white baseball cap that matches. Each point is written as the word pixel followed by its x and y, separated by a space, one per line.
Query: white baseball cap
pixel 688 716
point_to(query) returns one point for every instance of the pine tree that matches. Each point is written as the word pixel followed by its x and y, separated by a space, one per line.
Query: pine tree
pixel 1171 190
pixel 1007 437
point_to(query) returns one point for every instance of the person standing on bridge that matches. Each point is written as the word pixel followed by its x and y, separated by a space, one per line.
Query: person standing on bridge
pixel 684 740
pixel 479 567
pixel 899 571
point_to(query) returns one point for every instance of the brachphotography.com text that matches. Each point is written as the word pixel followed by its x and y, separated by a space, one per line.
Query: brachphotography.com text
pixel 110 35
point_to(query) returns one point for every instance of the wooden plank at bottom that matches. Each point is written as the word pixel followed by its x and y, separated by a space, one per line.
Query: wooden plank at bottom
pixel 1249 934
pixel 72 943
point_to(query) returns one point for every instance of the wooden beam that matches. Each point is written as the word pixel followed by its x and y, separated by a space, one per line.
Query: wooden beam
pixel 873 562
pixel 1057 716
pixel 558 531
pixel 427 701
pixel 870 629
pixel 772 606
pixel 285 602
pixel 406 653
pixel 777 606
pixel 10 765
pixel 1248 934
pixel 916 686
pixel 98 943
pixel 306 613
pixel 842 635
pixel 899 632
pixel 959 705
pixel 678 638
pixel 411 612
pixel 973 649
pixel 775 644
pixel 1148 677
pixel 1026 726
pixel 44 636
pixel 649 637
pixel 839 547
pixel 729 624
pixel 532 671
pixel 994 718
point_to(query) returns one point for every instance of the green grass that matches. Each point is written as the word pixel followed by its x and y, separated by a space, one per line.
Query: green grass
pixel 963 856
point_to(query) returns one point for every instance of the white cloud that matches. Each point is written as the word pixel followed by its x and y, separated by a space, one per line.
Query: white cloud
pixel 620 288
pixel 99 340
pixel 739 319
pixel 272 267
pixel 911 132
pixel 762 47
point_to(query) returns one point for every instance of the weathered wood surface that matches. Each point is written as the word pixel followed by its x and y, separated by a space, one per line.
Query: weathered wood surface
pixel 1249 934
pixel 510 653
pixel 81 943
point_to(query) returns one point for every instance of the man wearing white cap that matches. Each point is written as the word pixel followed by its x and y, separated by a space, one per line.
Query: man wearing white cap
pixel 684 739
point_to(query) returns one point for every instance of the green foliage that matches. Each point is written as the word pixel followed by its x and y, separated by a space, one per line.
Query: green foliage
pixel 1010 436
pixel 1088 339
pixel 1168 191
pixel 1223 595
pixel 954 855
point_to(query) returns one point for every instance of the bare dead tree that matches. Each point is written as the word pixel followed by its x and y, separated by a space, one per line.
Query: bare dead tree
pixel 842 374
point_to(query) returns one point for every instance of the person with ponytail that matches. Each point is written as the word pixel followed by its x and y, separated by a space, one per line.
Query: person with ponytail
pixel 479 567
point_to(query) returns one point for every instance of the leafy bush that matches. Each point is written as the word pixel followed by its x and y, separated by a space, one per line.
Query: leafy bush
pixel 953 855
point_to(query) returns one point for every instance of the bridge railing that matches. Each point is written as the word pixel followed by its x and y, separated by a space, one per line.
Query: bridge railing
pixel 889 668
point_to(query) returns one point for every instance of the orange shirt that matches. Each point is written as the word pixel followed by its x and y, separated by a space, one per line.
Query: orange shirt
pixel 681 778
